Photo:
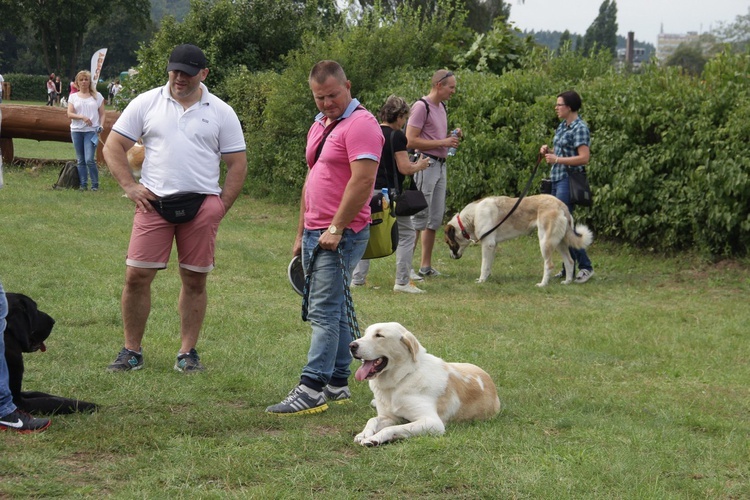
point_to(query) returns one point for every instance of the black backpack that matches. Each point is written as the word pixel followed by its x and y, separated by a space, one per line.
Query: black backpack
pixel 68 178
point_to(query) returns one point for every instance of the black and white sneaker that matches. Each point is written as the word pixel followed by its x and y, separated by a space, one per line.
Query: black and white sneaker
pixel 126 360
pixel 300 401
pixel 337 395
pixel 22 422
pixel 189 362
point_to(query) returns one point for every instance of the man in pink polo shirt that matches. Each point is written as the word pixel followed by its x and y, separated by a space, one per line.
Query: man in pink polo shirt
pixel 343 151
pixel 427 132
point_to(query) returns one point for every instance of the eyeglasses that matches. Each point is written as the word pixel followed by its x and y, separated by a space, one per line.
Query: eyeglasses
pixel 447 75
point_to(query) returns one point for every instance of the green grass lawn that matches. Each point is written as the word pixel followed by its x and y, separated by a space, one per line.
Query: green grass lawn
pixel 634 385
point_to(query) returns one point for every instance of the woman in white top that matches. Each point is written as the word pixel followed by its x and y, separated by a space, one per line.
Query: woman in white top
pixel 86 111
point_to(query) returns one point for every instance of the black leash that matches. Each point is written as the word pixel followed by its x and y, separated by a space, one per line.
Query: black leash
pixel 518 202
pixel 350 314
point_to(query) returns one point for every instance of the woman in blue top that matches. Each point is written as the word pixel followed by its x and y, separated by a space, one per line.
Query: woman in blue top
pixel 571 150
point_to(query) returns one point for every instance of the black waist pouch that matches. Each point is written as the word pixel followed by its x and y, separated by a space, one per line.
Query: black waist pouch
pixel 179 208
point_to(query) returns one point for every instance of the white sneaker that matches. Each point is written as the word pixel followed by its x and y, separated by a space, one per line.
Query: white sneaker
pixel 584 275
pixel 407 288
pixel 414 276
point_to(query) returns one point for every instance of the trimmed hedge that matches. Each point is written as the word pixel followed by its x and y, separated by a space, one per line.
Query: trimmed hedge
pixel 34 87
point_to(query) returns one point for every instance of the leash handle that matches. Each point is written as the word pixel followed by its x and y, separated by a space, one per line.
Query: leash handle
pixel 351 316
pixel 539 158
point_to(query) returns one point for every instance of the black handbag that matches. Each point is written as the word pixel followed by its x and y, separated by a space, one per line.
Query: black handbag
pixel 179 208
pixel 410 201
pixel 580 191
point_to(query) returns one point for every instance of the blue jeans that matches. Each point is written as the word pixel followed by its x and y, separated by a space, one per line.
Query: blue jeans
pixel 561 191
pixel 85 146
pixel 329 357
pixel 6 397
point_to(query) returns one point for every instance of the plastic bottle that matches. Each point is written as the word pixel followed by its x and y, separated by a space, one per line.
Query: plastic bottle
pixel 452 150
pixel 386 201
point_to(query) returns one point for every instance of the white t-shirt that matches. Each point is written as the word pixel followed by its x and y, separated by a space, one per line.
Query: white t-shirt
pixel 183 147
pixel 88 107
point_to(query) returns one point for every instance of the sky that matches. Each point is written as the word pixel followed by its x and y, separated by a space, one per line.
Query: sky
pixel 644 17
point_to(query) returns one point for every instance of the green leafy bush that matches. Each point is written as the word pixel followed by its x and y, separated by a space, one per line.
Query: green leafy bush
pixel 379 58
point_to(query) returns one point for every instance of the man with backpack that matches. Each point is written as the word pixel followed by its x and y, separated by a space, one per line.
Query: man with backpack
pixel 427 132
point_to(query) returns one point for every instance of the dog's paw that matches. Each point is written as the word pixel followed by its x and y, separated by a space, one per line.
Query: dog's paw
pixel 541 284
pixel 363 437
pixel 567 281
pixel 369 442
pixel 481 280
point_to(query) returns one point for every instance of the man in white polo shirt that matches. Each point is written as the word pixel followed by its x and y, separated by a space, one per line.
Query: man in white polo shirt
pixel 185 131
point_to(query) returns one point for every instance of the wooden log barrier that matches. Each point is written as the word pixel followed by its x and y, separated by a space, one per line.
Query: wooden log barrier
pixel 44 123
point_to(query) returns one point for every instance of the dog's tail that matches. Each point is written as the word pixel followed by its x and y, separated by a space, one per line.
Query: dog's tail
pixel 578 237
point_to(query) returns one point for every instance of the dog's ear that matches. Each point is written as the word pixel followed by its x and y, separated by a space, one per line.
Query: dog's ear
pixel 27 325
pixel 450 232
pixel 411 343
pixel 19 327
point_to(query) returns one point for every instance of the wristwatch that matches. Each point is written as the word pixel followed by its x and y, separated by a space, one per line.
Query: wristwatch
pixel 334 230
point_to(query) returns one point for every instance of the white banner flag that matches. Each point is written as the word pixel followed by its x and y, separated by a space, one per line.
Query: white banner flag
pixel 97 60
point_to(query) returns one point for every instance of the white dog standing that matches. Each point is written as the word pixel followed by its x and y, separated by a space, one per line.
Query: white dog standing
pixel 547 214
pixel 416 392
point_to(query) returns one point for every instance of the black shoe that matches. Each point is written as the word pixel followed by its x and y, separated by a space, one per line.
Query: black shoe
pixel 189 363
pixel 22 422
pixel 126 360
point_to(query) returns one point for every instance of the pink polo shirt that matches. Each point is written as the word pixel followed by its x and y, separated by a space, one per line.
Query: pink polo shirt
pixel 356 137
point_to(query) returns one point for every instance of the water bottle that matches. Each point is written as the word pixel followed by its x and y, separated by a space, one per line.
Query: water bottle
pixel 386 201
pixel 452 150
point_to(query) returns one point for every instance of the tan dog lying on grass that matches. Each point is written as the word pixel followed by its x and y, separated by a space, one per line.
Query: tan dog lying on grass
pixel 416 392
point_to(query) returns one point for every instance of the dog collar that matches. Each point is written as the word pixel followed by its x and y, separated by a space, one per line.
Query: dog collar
pixel 464 232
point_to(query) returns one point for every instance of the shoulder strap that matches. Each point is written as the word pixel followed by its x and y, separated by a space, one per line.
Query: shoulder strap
pixel 395 168
pixel 326 133
pixel 427 108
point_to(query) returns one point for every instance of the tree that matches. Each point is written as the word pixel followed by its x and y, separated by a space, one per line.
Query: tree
pixel 252 34
pixel 565 40
pixel 59 26
pixel 480 13
pixel 602 34
pixel 736 34
pixel 689 56
pixel 496 51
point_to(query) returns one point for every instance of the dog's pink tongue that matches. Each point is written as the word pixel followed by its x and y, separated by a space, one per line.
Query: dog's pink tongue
pixel 364 370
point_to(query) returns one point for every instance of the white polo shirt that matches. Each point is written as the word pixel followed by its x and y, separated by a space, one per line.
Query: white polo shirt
pixel 183 147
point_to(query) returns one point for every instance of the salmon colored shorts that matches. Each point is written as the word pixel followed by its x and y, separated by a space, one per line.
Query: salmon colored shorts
pixel 152 237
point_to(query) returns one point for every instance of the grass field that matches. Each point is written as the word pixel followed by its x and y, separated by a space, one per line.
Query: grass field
pixel 634 385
